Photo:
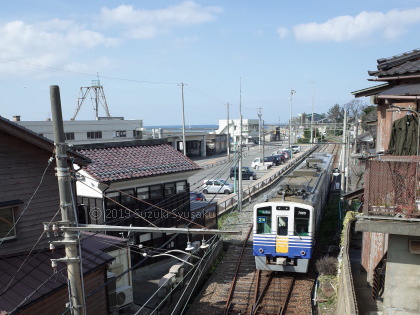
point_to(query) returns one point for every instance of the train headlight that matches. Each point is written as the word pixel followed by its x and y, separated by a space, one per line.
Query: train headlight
pixel 261 250
pixel 302 252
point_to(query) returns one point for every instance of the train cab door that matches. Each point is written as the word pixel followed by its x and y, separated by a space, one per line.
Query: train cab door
pixel 282 226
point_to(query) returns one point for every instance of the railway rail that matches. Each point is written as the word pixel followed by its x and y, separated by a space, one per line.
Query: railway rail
pixel 241 289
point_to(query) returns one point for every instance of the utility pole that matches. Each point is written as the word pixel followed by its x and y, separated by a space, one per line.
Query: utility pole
pixel 343 155
pixel 67 212
pixel 184 144
pixel 240 192
pixel 292 92
pixel 357 133
pixel 263 140
pixel 259 131
pixel 228 135
pixel 312 117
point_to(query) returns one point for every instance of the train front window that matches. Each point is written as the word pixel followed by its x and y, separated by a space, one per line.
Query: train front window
pixel 301 227
pixel 264 220
pixel 282 223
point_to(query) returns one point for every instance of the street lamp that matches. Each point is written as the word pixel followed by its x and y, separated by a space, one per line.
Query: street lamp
pixel 292 92
pixel 184 145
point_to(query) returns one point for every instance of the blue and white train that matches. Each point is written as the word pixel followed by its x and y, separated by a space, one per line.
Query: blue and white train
pixel 285 225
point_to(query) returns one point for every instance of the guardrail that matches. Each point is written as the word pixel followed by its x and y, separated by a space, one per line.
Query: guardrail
pixel 260 185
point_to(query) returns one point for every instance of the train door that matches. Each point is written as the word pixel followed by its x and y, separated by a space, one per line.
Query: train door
pixel 282 226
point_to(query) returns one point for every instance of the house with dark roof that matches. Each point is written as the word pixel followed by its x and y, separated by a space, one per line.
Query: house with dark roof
pixel 29 198
pixel 391 214
pixel 138 183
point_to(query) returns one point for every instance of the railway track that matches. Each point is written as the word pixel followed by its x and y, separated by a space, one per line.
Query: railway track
pixel 245 290
pixel 263 292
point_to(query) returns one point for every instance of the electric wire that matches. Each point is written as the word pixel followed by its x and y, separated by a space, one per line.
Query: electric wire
pixel 142 201
pixel 27 256
pixel 30 199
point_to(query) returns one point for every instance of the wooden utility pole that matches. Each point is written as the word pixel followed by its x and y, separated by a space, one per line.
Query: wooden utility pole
pixel 67 212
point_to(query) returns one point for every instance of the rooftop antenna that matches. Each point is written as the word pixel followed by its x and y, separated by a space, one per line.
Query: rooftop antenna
pixel 97 98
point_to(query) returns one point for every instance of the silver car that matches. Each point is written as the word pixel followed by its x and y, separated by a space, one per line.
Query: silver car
pixel 217 186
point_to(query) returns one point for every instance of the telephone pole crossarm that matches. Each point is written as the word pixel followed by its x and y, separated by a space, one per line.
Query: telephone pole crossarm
pixel 111 228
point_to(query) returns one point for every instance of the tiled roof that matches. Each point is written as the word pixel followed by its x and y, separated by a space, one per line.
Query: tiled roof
pixel 37 278
pixel 120 163
pixel 404 64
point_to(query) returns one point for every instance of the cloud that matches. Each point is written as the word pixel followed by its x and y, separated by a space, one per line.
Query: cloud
pixel 283 32
pixel 389 25
pixel 141 23
pixel 46 44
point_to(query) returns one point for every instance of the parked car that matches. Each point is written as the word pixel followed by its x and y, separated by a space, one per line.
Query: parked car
pixel 282 157
pixel 259 162
pixel 247 173
pixel 197 196
pixel 277 152
pixel 273 158
pixel 296 148
pixel 217 186
pixel 287 154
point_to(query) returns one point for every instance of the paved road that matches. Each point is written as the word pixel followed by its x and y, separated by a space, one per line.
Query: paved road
pixel 221 170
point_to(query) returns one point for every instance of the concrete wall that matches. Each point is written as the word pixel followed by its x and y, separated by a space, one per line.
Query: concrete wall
pixel 374 247
pixel 402 279
pixel 346 298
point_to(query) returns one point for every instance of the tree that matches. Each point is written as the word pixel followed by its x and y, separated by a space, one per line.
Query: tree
pixel 336 113
pixel 355 108
pixel 369 113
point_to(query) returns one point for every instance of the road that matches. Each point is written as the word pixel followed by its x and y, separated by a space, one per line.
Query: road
pixel 221 170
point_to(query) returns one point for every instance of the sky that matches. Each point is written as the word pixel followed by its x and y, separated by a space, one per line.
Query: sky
pixel 248 54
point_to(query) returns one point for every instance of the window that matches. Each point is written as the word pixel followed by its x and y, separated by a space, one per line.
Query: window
pixel 127 196
pixel 155 191
pixel 111 198
pixel 7 223
pixel 169 189
pixel 143 193
pixel 137 134
pixel 301 227
pixel 94 134
pixel 120 134
pixel 282 225
pixel 181 187
pixel 69 135
pixel 264 220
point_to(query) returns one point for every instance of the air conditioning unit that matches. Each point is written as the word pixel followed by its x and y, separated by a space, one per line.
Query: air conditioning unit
pixel 124 295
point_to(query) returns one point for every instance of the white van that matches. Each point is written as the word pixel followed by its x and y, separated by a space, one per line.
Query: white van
pixel 258 163
pixel 217 186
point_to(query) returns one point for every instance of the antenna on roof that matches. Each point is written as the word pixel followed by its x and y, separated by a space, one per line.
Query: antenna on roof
pixel 97 98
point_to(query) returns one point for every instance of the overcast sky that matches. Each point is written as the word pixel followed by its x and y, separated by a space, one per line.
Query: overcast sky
pixel 244 52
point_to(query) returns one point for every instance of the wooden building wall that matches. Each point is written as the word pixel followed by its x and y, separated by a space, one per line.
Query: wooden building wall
pixel 21 167
pixel 56 303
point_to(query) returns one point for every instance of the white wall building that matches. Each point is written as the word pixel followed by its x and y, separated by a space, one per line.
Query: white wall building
pixel 90 131
pixel 250 130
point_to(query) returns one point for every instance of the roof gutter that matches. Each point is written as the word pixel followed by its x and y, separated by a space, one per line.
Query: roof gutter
pixel 396 97
pixel 396 78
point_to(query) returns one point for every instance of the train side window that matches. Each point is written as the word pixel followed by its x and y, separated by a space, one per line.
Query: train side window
pixel 282 224
pixel 264 220
pixel 301 227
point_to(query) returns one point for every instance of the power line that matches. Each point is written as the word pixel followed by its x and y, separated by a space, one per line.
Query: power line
pixel 30 199
pixel 51 69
